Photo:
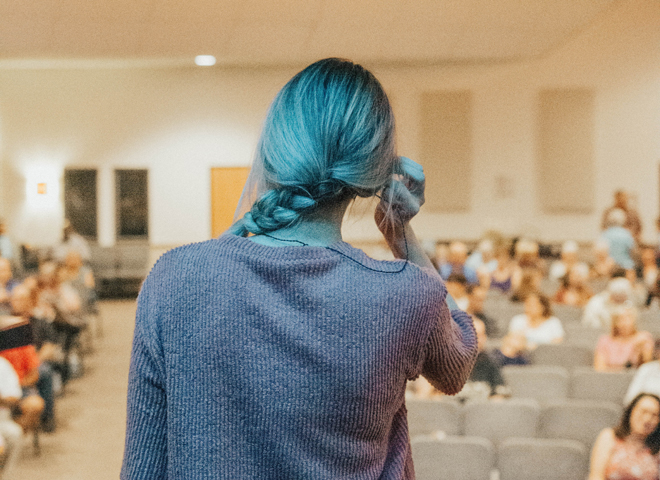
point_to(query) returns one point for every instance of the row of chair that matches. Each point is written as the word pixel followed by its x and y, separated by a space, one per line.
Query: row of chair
pixel 475 458
pixel 550 382
pixel 579 420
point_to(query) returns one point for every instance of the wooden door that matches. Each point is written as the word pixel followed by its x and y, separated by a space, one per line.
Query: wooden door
pixel 226 187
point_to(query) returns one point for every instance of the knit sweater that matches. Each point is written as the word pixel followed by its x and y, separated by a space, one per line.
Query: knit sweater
pixel 261 362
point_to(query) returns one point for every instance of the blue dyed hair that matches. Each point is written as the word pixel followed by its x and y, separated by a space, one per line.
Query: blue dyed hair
pixel 328 136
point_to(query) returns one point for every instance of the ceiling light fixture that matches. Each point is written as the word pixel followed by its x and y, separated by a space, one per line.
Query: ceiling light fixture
pixel 205 60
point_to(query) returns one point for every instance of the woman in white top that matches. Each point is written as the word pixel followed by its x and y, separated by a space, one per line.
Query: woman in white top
pixel 537 323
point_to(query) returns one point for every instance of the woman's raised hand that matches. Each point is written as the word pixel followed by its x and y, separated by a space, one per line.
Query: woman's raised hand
pixel 401 200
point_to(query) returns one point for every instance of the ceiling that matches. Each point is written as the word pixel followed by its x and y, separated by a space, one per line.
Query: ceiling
pixel 273 32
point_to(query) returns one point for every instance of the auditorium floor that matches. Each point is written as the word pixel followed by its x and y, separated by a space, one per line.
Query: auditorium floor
pixel 89 440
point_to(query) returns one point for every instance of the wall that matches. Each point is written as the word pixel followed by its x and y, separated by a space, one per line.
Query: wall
pixel 181 122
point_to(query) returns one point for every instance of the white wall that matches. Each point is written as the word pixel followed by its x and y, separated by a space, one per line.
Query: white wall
pixel 181 122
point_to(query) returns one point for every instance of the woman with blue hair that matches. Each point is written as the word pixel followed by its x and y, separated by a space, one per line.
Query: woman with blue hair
pixel 277 351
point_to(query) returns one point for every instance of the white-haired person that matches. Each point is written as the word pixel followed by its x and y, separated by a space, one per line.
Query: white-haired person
pixel 624 346
pixel 277 350
pixel 569 258
pixel 598 311
pixel 619 239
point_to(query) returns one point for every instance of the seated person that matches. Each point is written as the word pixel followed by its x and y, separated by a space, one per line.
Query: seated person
pixel 598 311
pixel 537 323
pixel 527 259
pixel 45 340
pixel 500 279
pixel 603 265
pixel 621 242
pixel 7 283
pixel 11 432
pixel 485 381
pixel 476 297
pixel 529 282
pixel 456 264
pixel 513 351
pixel 30 407
pixel 647 377
pixel 574 290
pixel 629 451
pixel 648 270
pixel 569 259
pixel 483 258
pixel 624 347
pixel 457 286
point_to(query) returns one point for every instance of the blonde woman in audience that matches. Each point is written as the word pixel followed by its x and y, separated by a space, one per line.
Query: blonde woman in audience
pixel 630 450
pixel 647 377
pixel 537 324
pixel 575 291
pixel 625 346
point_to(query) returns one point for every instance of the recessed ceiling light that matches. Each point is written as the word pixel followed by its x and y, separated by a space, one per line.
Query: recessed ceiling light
pixel 205 60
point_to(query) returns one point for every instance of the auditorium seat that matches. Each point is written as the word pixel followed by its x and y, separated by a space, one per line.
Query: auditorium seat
pixel 453 458
pixel 564 355
pixel 577 334
pixel 542 459
pixel 580 420
pixel 426 416
pixel 497 420
pixel 588 384
pixel 567 313
pixel 540 382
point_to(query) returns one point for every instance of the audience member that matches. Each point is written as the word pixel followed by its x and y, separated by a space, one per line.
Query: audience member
pixel 30 407
pixel 625 346
pixel 569 259
pixel 513 351
pixel 6 246
pixel 483 257
pixel 11 432
pixel 501 277
pixel 631 220
pixel 486 380
pixel 647 377
pixel 598 311
pixel 575 290
pixel 72 242
pixel 648 269
pixel 46 342
pixel 456 264
pixel 620 241
pixel 603 265
pixel 476 298
pixel 537 324
pixel 629 451
pixel 81 278
pixel 457 286
pixel 7 284
pixel 529 283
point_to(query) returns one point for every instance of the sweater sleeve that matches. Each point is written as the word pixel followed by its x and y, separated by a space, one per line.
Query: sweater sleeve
pixel 145 453
pixel 451 351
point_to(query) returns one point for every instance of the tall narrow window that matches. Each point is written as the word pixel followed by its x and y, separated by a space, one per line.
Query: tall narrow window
pixel 80 200
pixel 132 204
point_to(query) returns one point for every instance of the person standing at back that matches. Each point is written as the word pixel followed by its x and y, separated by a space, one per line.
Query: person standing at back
pixel 277 351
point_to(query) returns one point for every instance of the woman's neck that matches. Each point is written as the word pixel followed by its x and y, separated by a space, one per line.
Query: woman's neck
pixel 321 229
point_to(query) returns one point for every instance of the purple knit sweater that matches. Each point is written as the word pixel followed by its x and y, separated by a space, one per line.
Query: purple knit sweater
pixel 258 362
